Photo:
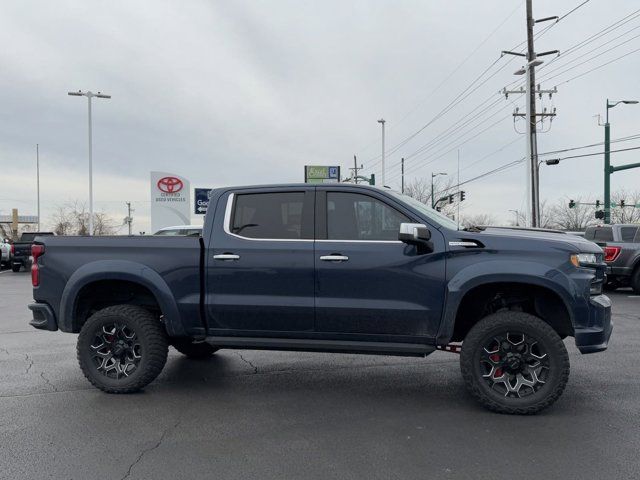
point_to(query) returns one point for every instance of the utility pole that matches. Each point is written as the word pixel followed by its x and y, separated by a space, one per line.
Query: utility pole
pixel 531 117
pixel 89 94
pixel 382 122
pixel 129 218
pixel 402 173
pixel 38 181
pixel 355 169
pixel 532 140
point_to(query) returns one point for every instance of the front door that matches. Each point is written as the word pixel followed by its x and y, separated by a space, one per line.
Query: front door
pixel 368 282
pixel 259 263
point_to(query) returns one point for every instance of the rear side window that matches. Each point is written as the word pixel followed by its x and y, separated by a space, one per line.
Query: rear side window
pixel 599 234
pixel 268 215
pixel 352 216
pixel 627 234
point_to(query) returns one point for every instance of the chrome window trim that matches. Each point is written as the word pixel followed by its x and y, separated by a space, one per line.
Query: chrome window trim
pixel 227 226
pixel 227 229
pixel 358 241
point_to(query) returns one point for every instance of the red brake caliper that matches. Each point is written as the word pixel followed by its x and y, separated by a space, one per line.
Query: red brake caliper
pixel 495 358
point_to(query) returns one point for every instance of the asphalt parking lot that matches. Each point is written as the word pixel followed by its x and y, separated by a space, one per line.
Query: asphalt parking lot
pixel 262 415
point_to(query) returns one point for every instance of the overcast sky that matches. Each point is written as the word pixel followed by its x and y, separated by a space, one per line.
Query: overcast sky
pixel 242 92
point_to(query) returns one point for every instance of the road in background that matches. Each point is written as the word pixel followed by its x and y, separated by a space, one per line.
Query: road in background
pixel 260 415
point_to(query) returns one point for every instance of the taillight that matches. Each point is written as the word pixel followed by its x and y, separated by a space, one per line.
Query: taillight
pixel 611 253
pixel 13 249
pixel 36 252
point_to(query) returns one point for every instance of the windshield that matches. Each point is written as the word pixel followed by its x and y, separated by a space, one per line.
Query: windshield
pixel 427 211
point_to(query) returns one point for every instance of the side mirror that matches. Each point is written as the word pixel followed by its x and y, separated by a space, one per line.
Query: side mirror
pixel 414 233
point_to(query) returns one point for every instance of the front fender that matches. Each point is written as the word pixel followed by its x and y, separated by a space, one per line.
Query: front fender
pixel 119 270
pixel 501 271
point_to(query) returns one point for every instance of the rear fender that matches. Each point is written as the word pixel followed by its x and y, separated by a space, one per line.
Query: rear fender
pixel 120 270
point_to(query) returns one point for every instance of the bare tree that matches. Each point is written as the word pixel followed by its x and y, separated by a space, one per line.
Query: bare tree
pixel 572 219
pixel 629 213
pixel 73 219
pixel 479 219
pixel 420 189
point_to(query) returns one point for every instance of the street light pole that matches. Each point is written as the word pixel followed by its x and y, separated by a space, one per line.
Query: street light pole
pixel 382 122
pixel 38 181
pixel 607 158
pixel 89 96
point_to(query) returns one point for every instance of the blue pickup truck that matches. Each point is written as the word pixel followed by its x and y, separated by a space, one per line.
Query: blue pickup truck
pixel 330 268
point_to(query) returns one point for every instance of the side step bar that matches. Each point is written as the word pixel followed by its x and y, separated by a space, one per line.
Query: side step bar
pixel 315 345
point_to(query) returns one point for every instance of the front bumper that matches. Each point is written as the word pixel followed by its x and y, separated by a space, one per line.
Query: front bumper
pixel 595 337
pixel 43 317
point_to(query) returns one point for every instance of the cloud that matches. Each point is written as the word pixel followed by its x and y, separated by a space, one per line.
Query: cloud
pixel 249 92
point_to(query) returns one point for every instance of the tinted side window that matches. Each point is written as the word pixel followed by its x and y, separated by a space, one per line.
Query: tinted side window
pixel 352 216
pixel 603 234
pixel 589 233
pixel 628 233
pixel 268 215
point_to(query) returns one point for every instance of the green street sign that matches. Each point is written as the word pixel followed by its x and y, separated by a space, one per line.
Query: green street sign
pixel 321 174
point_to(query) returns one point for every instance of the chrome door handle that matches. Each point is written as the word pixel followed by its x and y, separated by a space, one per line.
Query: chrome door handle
pixel 226 257
pixel 334 258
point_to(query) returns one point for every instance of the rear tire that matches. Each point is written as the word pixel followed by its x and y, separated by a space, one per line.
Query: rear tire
pixel 121 349
pixel 196 351
pixel 514 363
pixel 15 268
pixel 635 281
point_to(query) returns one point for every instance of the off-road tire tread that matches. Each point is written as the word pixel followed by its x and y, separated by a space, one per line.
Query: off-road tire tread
pixel 145 325
pixel 635 280
pixel 512 320
pixel 195 351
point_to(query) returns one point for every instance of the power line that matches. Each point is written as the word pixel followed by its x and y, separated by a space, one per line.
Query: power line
pixel 599 66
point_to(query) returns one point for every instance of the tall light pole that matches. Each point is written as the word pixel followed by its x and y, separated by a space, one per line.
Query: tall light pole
pixel 434 175
pixel 607 159
pixel 89 94
pixel 38 181
pixel 382 122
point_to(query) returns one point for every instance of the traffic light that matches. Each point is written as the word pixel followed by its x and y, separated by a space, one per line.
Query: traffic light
pixel 622 203
pixel 599 214
pixel 597 203
pixel 372 180
pixel 572 204
pixel 462 195
pixel 451 198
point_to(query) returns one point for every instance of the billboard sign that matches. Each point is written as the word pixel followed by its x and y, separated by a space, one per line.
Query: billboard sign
pixel 170 200
pixel 201 200
pixel 321 174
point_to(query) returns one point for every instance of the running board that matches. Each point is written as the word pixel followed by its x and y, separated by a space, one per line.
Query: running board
pixel 315 345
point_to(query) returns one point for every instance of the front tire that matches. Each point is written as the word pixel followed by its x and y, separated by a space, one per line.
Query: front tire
pixel 196 351
pixel 122 348
pixel 514 363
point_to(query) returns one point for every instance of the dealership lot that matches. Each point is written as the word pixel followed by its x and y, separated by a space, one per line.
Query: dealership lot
pixel 251 414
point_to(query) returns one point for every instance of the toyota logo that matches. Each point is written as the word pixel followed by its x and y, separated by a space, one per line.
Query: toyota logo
pixel 170 185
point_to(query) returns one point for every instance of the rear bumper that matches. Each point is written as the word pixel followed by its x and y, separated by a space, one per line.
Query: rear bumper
pixel 595 338
pixel 43 317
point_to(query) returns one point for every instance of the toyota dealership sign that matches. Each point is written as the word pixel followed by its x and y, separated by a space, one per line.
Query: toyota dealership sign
pixel 170 200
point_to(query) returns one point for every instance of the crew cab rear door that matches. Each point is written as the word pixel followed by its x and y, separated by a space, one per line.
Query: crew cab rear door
pixel 368 282
pixel 259 263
